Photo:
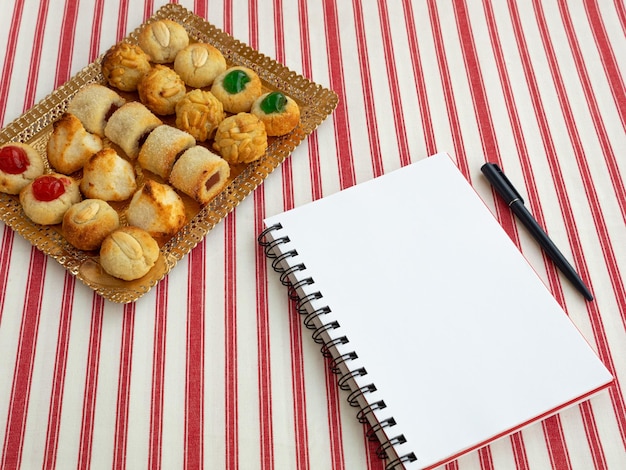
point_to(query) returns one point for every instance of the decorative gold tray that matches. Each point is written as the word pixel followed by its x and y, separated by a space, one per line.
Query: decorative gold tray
pixel 35 126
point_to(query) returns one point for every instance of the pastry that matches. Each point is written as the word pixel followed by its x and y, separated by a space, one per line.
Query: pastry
pixel 46 199
pixel 199 113
pixel 108 176
pixel 93 105
pixel 157 209
pixel 129 127
pixel 124 65
pixel 162 40
pixel 237 88
pixel 241 138
pixel 128 253
pixel 160 89
pixel 198 64
pixel 278 112
pixel 161 149
pixel 200 174
pixel 70 145
pixel 19 165
pixel 87 223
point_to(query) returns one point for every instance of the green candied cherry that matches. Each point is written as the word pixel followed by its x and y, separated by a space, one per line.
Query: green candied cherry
pixel 274 102
pixel 235 81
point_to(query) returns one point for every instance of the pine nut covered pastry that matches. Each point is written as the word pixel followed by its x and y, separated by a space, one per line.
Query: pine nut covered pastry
pixel 241 138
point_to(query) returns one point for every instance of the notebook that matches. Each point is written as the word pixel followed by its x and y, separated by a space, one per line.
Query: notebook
pixel 440 332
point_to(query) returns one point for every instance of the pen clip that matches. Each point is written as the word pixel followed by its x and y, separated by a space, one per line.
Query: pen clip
pixel 501 183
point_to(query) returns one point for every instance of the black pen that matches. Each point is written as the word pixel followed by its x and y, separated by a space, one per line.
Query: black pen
pixel 507 191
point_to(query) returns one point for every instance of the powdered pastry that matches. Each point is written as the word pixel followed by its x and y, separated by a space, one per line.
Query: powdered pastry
pixel 200 174
pixel 129 127
pixel 93 104
pixel 161 149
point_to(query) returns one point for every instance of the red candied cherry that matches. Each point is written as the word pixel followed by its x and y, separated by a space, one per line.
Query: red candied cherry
pixel 48 187
pixel 13 160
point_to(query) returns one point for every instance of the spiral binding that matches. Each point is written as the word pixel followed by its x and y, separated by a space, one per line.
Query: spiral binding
pixel 321 335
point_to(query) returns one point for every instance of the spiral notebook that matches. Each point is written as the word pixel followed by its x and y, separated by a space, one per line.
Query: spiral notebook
pixel 441 334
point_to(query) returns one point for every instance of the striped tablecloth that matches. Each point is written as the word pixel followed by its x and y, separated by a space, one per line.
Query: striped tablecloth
pixel 211 368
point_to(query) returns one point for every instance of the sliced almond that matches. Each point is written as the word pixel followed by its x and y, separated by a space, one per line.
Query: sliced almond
pixel 161 33
pixel 199 56
pixel 128 244
pixel 87 212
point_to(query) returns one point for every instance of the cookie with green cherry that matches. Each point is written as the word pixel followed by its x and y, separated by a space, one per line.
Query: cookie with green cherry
pixel 237 88
pixel 279 112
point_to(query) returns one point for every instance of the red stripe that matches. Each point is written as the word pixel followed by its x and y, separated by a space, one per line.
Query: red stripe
pixel 368 90
pixel 148 8
pixel 607 56
pixel 448 90
pixel 200 8
pixel 599 223
pixel 122 18
pixel 341 122
pixel 60 368
pixel 22 376
pixel 335 432
pixel 9 58
pixel 555 441
pixel 123 387
pixel 519 451
pixel 394 80
pixel 91 384
pixel 194 393
pixel 5 263
pixel 35 60
pixel 96 30
pixel 485 458
pixel 158 376
pixel 592 103
pixel 593 437
pixel 230 352
pixel 66 43
pixel 418 76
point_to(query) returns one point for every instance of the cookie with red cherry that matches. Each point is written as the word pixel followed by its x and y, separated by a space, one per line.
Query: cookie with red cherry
pixel 19 165
pixel 46 199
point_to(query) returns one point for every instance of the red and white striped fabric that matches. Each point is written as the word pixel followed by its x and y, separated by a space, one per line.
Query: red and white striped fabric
pixel 211 368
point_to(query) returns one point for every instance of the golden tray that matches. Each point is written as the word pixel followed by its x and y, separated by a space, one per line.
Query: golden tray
pixel 35 126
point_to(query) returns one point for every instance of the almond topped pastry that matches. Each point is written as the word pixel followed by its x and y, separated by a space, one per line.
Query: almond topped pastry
pixel 128 253
pixel 199 64
pixel 162 40
pixel 87 223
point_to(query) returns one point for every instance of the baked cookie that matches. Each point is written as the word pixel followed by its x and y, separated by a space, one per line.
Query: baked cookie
pixel 124 65
pixel 129 127
pixel 241 138
pixel 161 149
pixel 200 174
pixel 128 253
pixel 157 209
pixel 278 112
pixel 87 223
pixel 162 40
pixel 46 199
pixel 108 176
pixel 70 145
pixel 199 113
pixel 19 165
pixel 237 88
pixel 199 63
pixel 160 89
pixel 93 105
